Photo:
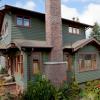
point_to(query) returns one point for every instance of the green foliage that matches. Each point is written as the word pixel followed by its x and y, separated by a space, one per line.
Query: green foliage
pixel 72 91
pixel 3 71
pixel 8 96
pixel 91 90
pixel 40 89
pixel 96 32
pixel 61 93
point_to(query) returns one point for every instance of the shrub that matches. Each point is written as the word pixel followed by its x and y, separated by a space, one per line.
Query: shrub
pixel 8 96
pixel 92 90
pixel 40 89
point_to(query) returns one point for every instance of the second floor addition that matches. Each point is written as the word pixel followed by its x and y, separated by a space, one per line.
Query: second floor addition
pixel 19 23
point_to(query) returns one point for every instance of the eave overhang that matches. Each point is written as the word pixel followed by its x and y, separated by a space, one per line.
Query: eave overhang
pixel 81 43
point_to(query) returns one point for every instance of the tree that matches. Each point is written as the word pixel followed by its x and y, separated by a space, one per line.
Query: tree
pixel 96 32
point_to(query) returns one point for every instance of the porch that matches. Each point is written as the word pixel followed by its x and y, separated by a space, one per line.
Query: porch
pixel 7 72
pixel 23 58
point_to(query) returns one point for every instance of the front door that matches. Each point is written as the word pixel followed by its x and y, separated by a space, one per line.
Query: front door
pixel 36 63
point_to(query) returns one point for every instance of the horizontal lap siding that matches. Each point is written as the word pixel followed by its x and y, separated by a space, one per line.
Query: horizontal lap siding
pixel 25 65
pixel 35 32
pixel 87 75
pixel 45 57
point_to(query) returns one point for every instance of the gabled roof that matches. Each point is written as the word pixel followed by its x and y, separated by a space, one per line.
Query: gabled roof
pixel 81 43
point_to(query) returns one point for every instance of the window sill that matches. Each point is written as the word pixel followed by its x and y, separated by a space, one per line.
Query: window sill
pixel 81 71
pixel 74 33
pixel 23 26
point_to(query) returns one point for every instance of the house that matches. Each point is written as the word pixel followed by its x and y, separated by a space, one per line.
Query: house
pixel 33 42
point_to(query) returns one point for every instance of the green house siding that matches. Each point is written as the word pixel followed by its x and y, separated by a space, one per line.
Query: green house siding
pixel 45 57
pixel 35 32
pixel 70 38
pixel 87 75
pixel 25 65
pixel 29 69
pixel 6 38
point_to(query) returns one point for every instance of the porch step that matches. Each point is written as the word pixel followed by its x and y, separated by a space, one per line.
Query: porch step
pixel 8 87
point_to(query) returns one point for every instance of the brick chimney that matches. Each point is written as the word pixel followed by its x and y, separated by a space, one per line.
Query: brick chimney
pixel 55 69
pixel 54 28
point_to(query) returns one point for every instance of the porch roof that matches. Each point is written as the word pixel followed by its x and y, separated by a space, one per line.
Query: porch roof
pixel 81 43
pixel 31 43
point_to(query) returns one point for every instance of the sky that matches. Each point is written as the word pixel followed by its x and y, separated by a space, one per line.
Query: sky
pixel 88 11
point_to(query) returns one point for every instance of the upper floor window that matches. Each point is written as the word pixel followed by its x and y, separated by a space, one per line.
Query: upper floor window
pixel 77 31
pixel 70 30
pixel 23 21
pixel 26 22
pixel 19 21
pixel 73 30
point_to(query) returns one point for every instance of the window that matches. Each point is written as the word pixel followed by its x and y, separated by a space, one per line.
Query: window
pixel 23 21
pixel 73 30
pixel 77 31
pixel 19 21
pixel 19 64
pixel 26 22
pixel 36 67
pixel 87 62
pixel 70 30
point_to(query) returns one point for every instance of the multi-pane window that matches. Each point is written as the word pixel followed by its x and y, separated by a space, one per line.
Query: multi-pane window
pixel 77 31
pixel 19 64
pixel 26 22
pixel 87 62
pixel 73 30
pixel 23 21
pixel 19 21
pixel 70 30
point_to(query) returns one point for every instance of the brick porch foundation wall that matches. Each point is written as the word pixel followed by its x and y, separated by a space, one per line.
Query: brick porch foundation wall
pixel 56 72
